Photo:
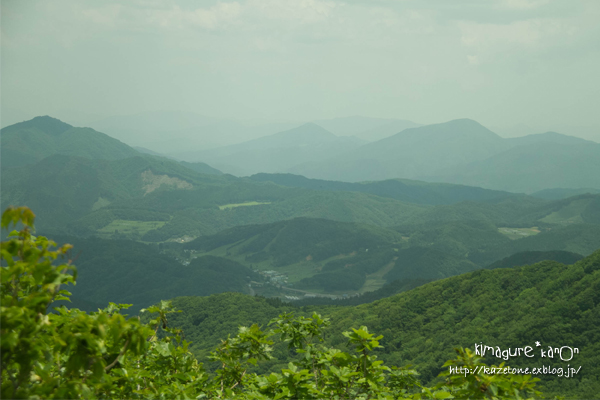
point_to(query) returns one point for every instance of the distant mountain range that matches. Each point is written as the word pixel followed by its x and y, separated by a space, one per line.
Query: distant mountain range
pixel 412 153
pixel 369 129
pixel 459 151
pixel 463 151
pixel 351 149
pixel 177 131
pixel 532 167
pixel 277 152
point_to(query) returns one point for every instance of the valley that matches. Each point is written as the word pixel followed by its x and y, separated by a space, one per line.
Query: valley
pixel 148 228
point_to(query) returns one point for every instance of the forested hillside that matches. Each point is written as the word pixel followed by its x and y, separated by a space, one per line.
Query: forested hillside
pixel 561 193
pixel 296 240
pixel 400 189
pixel 337 258
pixel 532 257
pixel 128 272
pixel 28 142
pixel 64 188
pixel 553 303
pixel 533 167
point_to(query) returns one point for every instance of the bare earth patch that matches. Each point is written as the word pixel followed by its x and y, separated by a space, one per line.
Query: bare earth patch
pixel 153 182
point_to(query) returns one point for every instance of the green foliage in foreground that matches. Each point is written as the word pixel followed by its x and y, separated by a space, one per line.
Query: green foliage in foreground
pixel 73 354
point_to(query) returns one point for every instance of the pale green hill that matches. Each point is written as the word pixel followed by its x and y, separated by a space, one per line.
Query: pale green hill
pixel 370 129
pixel 548 137
pixel 278 152
pixel 28 142
pixel 412 153
pixel 464 152
pixel 562 193
pixel 532 168
pixel 400 189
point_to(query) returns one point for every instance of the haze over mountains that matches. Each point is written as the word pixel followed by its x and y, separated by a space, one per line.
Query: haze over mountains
pixel 369 129
pixel 278 152
pixel 173 132
pixel 412 153
pixel 534 167
pixel 463 151
pixel 179 132
pixel 459 151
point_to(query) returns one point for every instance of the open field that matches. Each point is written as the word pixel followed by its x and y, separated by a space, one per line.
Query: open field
pixel 249 203
pixel 129 227
pixel 375 280
pixel 519 233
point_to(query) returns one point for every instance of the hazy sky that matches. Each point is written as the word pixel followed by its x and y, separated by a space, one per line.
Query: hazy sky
pixel 500 62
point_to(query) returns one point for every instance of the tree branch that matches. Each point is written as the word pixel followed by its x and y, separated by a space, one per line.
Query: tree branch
pixel 241 377
pixel 112 364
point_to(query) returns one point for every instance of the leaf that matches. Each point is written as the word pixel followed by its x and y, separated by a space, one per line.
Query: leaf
pixel 163 349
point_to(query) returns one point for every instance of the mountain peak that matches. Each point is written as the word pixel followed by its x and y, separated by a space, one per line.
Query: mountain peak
pixel 46 124
pixel 311 125
pixel 309 128
pixel 301 135
pixel 30 141
pixel 464 127
pixel 548 137
pixel 464 122
pixel 561 136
